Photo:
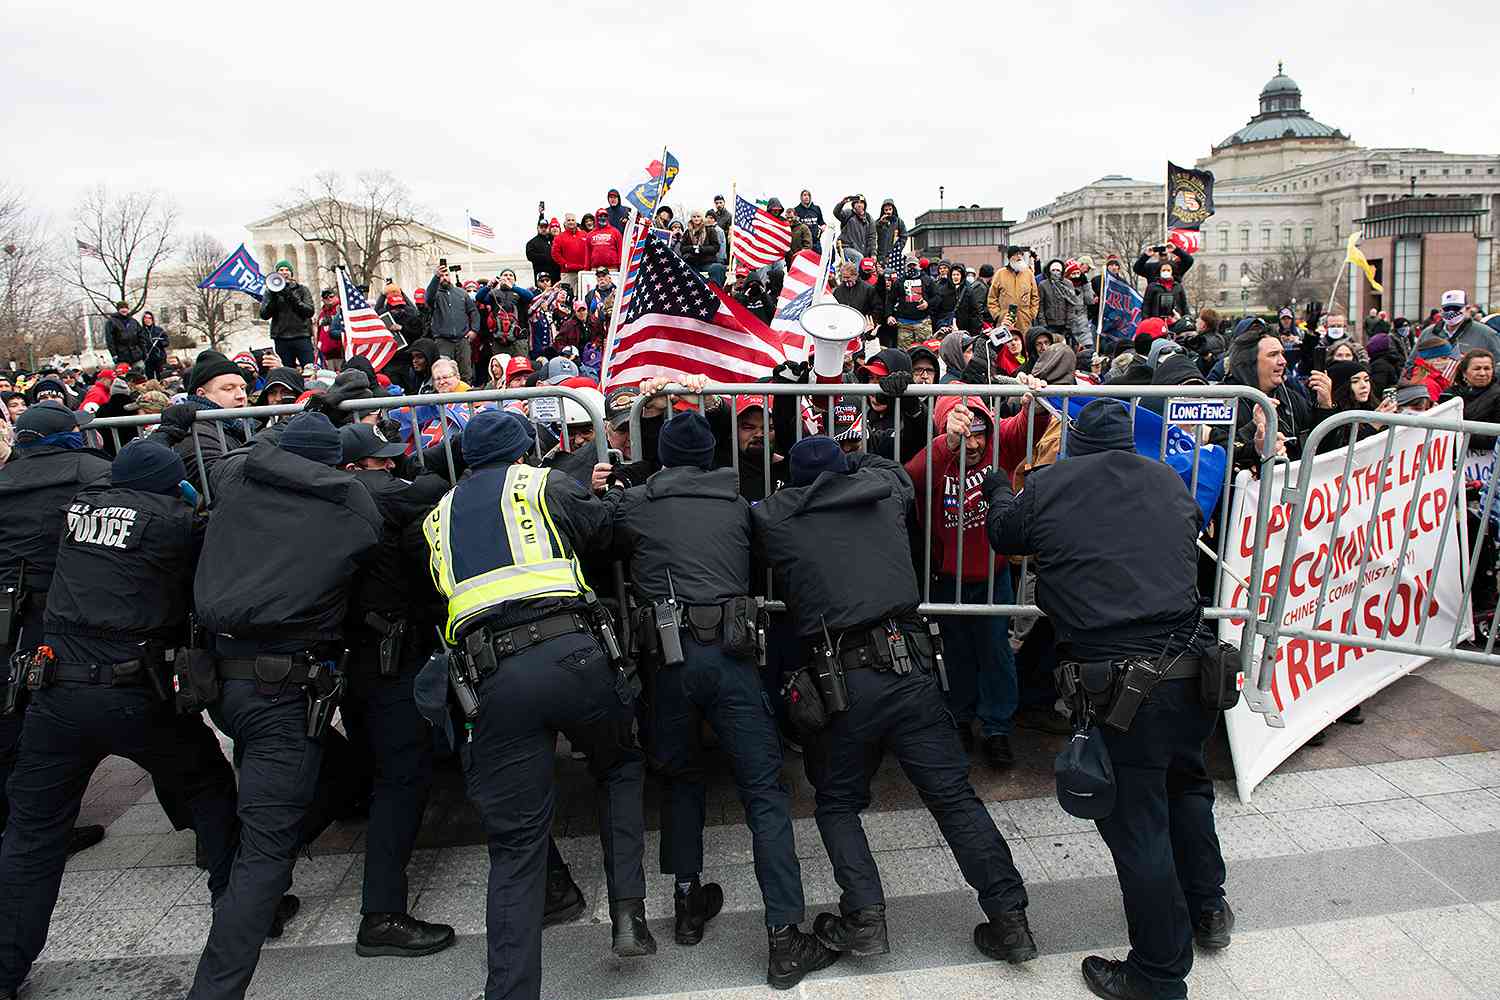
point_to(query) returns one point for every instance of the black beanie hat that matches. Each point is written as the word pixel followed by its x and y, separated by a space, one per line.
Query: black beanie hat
pixel 1343 372
pixel 494 437
pixel 147 466
pixel 313 436
pixel 813 456
pixel 1102 425
pixel 209 366
pixel 686 439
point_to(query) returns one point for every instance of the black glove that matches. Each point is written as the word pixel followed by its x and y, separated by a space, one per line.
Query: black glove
pixel 994 482
pixel 895 383
pixel 793 372
pixel 177 421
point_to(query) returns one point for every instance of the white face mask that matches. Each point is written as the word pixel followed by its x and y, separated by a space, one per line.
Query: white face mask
pixel 1166 274
pixel 1016 265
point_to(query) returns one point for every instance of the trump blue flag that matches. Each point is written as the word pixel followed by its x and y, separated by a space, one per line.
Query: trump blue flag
pixel 238 273
pixel 1211 461
pixel 1121 308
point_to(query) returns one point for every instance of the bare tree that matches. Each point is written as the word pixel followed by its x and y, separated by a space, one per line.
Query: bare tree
pixel 132 235
pixel 1294 272
pixel 367 223
pixel 31 300
pixel 1122 234
pixel 207 312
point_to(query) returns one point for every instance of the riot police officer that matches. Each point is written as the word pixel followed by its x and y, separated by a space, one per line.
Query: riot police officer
pixel 845 518
pixel 522 625
pixel 390 635
pixel 50 464
pixel 275 613
pixel 687 531
pixel 1120 593
pixel 101 684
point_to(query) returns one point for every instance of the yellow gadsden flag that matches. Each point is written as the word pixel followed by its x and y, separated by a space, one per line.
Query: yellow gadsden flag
pixel 1356 258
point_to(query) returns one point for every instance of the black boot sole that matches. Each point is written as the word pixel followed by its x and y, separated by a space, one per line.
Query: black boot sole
pixel 1212 943
pixel 884 949
pixel 790 979
pixel 639 949
pixel 398 951
pixel 1015 956
pixel 566 915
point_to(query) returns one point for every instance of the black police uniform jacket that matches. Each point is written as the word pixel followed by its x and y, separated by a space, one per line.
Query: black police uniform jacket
pixel 396 584
pixel 282 548
pixel 35 487
pixel 839 546
pixel 124 573
pixel 691 522
pixel 1114 535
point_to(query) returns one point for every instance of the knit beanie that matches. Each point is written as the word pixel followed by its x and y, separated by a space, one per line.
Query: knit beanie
pixel 496 437
pixel 686 439
pixel 147 466
pixel 313 436
pixel 812 456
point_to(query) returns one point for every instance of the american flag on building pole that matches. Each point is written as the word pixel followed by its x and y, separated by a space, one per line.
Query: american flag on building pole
pixel 365 334
pixel 88 250
pixel 676 324
pixel 480 229
pixel 760 238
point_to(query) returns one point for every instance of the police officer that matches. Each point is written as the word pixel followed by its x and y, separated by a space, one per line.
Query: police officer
pixel 102 685
pixel 688 532
pixel 837 541
pixel 521 619
pixel 275 611
pixel 390 635
pixel 50 464
pixel 1127 588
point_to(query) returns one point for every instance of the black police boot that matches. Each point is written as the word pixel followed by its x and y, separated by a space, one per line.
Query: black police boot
pixel 794 955
pixel 1354 717
pixel 564 898
pixel 400 935
pixel 998 752
pixel 1213 928
pixel 1006 938
pixel 632 936
pixel 285 911
pixel 81 838
pixel 1113 981
pixel 860 933
pixel 695 908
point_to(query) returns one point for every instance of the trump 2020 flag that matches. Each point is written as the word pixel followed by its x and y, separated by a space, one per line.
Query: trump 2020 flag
pixel 1179 453
pixel 1120 309
pixel 238 273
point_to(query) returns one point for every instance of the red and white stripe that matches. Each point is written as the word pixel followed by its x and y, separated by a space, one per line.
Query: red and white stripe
pixel 365 334
pixel 733 347
pixel 800 276
pixel 766 242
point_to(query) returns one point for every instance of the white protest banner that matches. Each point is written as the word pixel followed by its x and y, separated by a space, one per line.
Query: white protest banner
pixel 1316 682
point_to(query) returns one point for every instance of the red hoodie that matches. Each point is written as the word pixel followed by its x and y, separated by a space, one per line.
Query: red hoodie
pixel 570 251
pixel 977 552
pixel 604 248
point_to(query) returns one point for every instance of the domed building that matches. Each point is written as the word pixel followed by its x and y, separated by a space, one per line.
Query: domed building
pixel 1279 137
pixel 1288 191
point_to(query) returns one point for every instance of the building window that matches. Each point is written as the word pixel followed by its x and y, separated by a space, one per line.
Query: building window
pixel 1265 237
pixel 1223 296
pixel 1223 240
pixel 1286 236
pixel 1408 290
pixel 1307 236
pixel 1223 272
pixel 1482 257
pixel 1244 239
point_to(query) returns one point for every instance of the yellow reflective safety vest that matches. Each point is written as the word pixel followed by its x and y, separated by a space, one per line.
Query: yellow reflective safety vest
pixel 492 540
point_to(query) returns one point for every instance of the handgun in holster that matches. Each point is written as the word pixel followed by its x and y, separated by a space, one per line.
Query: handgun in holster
pixel 830 676
pixel 325 687
pixel 937 653
pixel 392 641
pixel 668 629
pixel 598 616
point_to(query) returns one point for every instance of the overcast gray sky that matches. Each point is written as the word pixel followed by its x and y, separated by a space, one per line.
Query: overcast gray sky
pixel 227 106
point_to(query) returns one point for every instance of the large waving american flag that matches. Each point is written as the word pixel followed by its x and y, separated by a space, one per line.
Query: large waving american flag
pixel 797 292
pixel 675 324
pixel 760 238
pixel 365 334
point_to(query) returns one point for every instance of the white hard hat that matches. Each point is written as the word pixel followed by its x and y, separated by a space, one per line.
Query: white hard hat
pixel 574 413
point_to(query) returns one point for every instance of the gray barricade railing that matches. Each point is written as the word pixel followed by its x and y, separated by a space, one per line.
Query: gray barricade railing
pixel 216 418
pixel 1462 432
pixel 1257 691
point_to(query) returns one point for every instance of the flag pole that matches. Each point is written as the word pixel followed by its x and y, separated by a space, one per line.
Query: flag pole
pixel 636 219
pixel 468 248
pixel 734 200
pixel 1166 208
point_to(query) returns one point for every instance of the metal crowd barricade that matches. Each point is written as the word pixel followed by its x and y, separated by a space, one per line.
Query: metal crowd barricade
pixel 1258 688
pixel 217 418
pixel 1463 431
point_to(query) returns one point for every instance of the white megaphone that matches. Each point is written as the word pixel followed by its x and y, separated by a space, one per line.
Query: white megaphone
pixel 275 281
pixel 831 326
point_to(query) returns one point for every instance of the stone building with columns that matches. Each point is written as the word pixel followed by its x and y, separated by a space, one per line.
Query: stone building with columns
pixel 1288 184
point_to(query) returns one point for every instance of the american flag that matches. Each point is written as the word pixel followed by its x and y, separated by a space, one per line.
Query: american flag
pixel 895 262
pixel 88 250
pixel 760 238
pixel 797 292
pixel 365 334
pixel 675 325
pixel 480 229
